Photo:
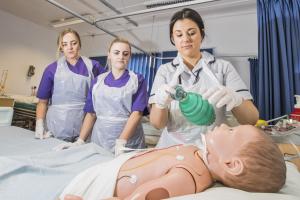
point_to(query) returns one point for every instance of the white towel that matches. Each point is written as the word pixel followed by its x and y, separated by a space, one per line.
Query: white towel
pixel 97 182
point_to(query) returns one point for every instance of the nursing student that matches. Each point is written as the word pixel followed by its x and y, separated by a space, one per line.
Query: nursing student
pixel 63 90
pixel 115 104
pixel 200 72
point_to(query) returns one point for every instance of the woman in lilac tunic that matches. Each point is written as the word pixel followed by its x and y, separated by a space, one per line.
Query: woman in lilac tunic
pixel 63 89
pixel 115 104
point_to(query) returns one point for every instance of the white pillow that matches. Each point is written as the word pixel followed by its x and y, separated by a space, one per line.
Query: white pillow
pixel 290 191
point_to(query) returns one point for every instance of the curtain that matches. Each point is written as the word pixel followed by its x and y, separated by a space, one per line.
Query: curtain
pixel 146 65
pixel 253 78
pixel 279 56
pixel 101 60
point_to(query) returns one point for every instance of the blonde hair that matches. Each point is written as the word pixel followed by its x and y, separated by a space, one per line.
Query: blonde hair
pixel 116 40
pixel 60 39
pixel 264 167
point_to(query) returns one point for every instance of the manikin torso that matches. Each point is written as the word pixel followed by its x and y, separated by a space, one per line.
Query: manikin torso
pixel 154 164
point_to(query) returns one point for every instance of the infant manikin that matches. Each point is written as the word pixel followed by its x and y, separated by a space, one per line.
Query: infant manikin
pixel 162 166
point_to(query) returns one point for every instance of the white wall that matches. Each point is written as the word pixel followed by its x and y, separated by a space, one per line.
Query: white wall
pixel 23 43
pixel 231 35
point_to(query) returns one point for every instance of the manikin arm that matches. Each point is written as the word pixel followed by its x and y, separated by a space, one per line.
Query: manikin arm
pixel 169 185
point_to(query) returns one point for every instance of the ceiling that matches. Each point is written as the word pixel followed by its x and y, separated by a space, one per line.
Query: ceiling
pixel 43 13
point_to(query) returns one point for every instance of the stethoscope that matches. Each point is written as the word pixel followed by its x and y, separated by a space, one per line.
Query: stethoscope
pixel 196 73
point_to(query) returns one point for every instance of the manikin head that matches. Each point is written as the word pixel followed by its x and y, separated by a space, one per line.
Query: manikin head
pixel 245 158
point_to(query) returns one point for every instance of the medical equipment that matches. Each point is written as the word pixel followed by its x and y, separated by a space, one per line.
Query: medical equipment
pixel 285 132
pixel 24 115
pixel 3 81
pixel 297 105
pixel 30 71
pixel 33 91
pixel 194 107
pixel 296 112
pixel 6 115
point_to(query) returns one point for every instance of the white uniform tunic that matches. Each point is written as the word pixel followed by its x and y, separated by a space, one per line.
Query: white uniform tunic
pixel 178 129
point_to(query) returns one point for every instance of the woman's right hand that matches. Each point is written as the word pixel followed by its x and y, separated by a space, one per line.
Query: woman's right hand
pixel 163 97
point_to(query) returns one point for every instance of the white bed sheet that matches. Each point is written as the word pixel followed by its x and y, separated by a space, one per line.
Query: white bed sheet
pixel 30 170
pixel 16 141
pixel 291 191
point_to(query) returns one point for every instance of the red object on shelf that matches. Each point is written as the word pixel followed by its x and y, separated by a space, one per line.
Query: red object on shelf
pixel 295 114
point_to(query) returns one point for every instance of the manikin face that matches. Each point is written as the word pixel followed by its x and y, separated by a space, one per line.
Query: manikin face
pixel 70 46
pixel 187 38
pixel 119 55
pixel 224 143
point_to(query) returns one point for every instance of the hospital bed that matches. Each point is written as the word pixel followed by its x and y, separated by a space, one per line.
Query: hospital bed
pixel 29 169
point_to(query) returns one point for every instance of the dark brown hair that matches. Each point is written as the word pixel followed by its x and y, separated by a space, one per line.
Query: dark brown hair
pixel 187 13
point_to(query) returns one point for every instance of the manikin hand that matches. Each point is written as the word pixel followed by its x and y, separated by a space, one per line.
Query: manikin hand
pixel 120 146
pixel 221 96
pixel 40 131
pixel 163 95
pixel 67 145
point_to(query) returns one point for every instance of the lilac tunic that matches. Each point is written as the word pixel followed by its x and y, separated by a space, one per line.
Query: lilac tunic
pixel 139 99
pixel 47 82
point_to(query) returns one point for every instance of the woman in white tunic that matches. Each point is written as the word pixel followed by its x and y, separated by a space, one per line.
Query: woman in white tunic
pixel 198 72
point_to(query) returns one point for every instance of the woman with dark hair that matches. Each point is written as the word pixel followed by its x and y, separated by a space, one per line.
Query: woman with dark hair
pixel 200 72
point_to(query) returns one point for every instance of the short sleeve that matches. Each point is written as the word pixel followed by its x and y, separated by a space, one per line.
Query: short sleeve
pixel 235 82
pixel 140 98
pixel 160 79
pixel 45 89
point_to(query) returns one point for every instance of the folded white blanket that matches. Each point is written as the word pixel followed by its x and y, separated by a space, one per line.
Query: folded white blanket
pixel 97 182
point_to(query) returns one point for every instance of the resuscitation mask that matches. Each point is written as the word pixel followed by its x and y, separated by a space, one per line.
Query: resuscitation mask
pixel 203 147
pixel 195 109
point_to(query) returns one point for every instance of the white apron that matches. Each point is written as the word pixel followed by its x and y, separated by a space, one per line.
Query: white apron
pixel 113 108
pixel 179 130
pixel 65 114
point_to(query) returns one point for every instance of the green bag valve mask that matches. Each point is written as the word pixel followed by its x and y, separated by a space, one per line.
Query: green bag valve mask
pixel 196 109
